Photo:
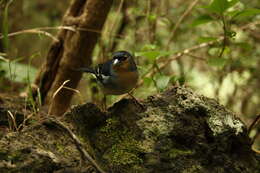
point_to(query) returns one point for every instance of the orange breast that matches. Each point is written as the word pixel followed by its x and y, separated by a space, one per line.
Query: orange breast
pixel 128 79
pixel 125 83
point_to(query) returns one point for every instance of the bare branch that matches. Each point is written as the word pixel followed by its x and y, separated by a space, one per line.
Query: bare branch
pixel 84 154
pixel 176 26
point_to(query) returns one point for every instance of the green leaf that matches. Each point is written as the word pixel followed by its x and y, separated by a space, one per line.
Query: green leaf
pixel 162 82
pixel 173 79
pixel 220 6
pixel 244 45
pixel 213 51
pixel 147 47
pixel 232 3
pixel 182 80
pixel 18 72
pixel 246 13
pixel 152 17
pixel 202 20
pixel 149 54
pixel 147 80
pixel 206 39
pixel 218 62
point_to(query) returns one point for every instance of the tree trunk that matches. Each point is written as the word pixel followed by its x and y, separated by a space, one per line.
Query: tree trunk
pixel 72 50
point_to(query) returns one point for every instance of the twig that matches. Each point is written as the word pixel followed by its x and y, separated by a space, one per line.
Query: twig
pixel 24 121
pixel 85 155
pixel 77 92
pixel 4 59
pixel 115 21
pixel 256 120
pixel 136 101
pixel 253 123
pixel 151 23
pixel 256 151
pixel 39 31
pixel 225 40
pixel 176 26
pixel 165 62
pixel 250 24
pixel 2 54
pixel 13 124
pixel 33 31
pixel 123 25
pixel 56 92
pixel 196 57
pixel 191 49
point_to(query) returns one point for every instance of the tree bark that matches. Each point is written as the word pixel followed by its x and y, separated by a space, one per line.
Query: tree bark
pixel 72 50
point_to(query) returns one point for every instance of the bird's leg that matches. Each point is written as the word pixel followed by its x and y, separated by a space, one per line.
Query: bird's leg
pixel 136 101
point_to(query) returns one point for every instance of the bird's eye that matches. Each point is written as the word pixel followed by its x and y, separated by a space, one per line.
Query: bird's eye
pixel 123 58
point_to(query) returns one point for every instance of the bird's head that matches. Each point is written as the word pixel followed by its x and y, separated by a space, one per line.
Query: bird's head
pixel 123 61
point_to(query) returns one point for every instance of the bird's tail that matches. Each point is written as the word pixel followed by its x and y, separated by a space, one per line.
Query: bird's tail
pixel 86 70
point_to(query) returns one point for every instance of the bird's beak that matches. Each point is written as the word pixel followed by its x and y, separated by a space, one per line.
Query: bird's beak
pixel 116 61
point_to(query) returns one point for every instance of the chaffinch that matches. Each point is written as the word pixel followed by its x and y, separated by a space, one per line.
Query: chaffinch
pixel 116 76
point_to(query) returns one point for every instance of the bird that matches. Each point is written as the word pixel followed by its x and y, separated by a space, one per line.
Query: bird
pixel 116 76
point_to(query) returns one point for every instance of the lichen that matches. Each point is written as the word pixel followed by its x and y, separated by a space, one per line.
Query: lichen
pixel 153 125
pixel 123 150
pixel 219 119
pixel 219 124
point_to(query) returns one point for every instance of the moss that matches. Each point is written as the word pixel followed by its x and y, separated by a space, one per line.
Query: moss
pixel 60 148
pixel 174 152
pixel 3 154
pixel 15 156
pixel 120 157
pixel 110 126
pixel 122 148
pixel 194 169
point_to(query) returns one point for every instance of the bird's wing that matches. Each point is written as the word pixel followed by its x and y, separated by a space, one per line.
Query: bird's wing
pixel 105 69
pixel 102 71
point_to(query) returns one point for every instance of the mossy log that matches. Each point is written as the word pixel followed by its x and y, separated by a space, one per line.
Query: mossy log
pixel 177 132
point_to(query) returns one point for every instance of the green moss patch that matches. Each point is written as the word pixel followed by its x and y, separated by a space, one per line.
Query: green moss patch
pixel 122 148
pixel 174 152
